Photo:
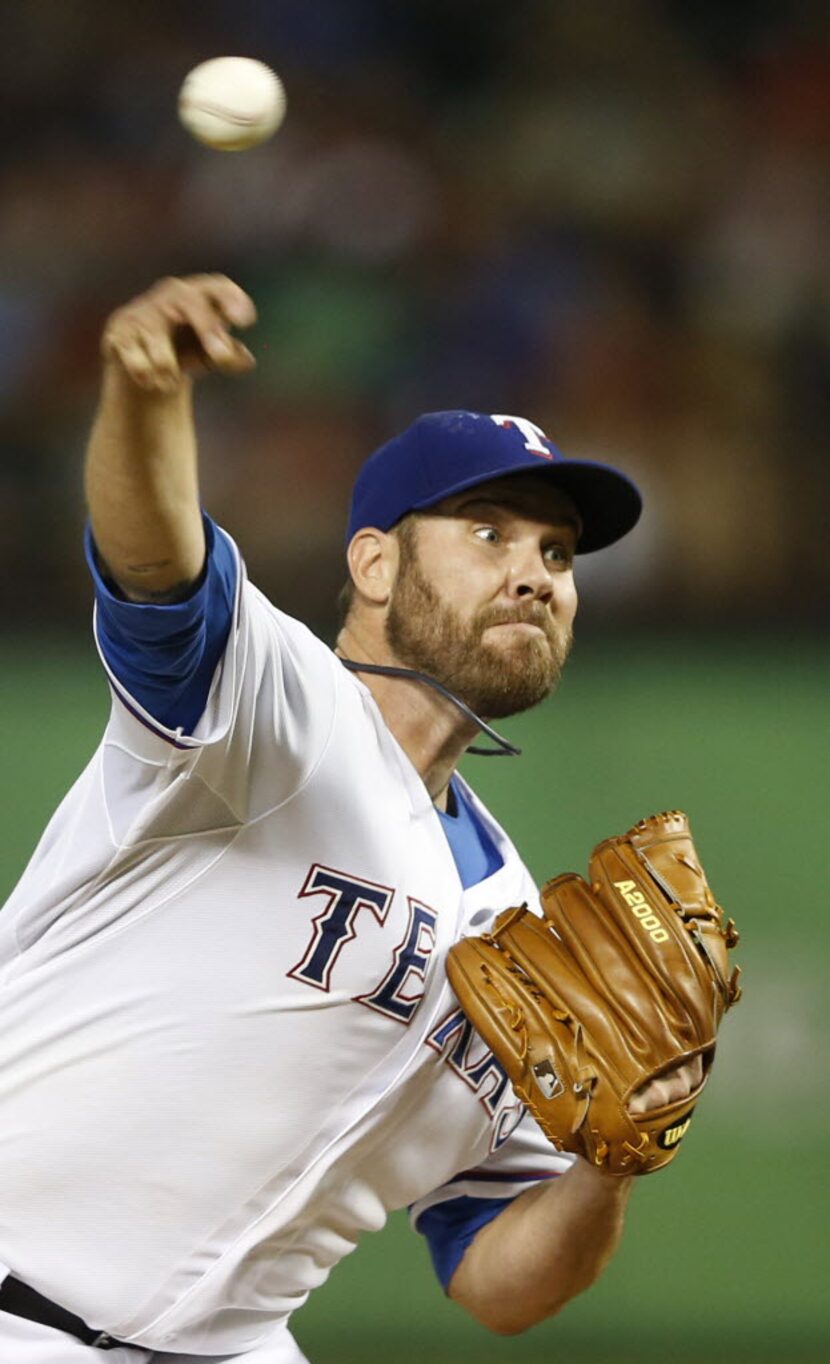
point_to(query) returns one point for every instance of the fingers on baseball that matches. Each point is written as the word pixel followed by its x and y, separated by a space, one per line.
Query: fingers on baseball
pixel 164 369
pixel 229 301
pixel 208 305
pixel 181 324
pixel 192 312
pixel 128 343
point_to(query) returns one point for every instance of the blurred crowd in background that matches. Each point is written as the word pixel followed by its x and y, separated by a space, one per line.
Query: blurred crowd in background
pixel 606 215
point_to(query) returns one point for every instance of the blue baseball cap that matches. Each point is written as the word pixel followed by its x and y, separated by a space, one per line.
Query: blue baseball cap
pixel 446 452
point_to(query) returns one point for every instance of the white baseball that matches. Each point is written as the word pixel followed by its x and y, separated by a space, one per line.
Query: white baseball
pixel 231 103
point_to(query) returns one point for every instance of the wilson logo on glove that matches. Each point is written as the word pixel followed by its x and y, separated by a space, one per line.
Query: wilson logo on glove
pixel 673 1135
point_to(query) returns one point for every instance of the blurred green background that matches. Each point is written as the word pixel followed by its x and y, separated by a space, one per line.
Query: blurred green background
pixel 725 1255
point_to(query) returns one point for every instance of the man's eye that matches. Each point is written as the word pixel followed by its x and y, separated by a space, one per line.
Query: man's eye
pixel 488 533
pixel 558 554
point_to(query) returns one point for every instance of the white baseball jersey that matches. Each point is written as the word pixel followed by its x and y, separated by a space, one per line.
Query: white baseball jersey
pixel 227 1043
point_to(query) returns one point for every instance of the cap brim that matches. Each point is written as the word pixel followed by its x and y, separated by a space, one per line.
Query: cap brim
pixel 608 503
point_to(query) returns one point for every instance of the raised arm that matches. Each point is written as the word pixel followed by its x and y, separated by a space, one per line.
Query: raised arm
pixel 141 468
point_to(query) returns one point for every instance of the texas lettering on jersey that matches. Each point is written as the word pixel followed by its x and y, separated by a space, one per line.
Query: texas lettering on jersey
pixel 471 1060
pixel 337 924
pixel 401 990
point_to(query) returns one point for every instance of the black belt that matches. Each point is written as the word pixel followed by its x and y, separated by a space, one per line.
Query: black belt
pixel 23 1301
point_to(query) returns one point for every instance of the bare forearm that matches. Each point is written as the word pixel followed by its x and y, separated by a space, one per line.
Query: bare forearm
pixel 549 1245
pixel 142 486
pixel 141 474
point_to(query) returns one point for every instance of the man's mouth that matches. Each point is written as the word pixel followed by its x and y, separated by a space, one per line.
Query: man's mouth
pixel 526 626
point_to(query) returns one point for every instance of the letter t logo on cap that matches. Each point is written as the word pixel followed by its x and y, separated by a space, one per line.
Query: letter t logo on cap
pixel 533 434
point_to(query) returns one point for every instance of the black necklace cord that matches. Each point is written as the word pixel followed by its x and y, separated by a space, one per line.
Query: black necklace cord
pixel 504 750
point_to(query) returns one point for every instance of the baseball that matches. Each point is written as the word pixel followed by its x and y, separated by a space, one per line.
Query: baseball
pixel 231 103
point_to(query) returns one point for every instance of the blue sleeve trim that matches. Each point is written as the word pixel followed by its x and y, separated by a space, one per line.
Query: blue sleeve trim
pixel 450 1227
pixel 476 855
pixel 165 655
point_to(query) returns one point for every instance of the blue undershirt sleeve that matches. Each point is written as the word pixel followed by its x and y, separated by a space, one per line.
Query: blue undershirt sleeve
pixel 165 655
pixel 450 1227
pixel 476 855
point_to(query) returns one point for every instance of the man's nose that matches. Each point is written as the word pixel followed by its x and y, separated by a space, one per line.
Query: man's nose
pixel 530 578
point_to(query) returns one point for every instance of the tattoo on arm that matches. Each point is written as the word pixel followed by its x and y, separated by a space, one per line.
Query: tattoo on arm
pixel 161 596
pixel 167 596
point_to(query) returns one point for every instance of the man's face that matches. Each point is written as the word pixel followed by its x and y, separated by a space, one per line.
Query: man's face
pixel 484 599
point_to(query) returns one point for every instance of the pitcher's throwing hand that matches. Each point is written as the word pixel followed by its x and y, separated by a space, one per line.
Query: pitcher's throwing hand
pixel 180 326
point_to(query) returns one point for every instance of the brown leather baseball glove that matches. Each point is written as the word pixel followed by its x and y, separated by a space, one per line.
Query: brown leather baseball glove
pixel 621 981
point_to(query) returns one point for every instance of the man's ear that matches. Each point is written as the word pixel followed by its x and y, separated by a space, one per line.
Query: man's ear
pixel 373 563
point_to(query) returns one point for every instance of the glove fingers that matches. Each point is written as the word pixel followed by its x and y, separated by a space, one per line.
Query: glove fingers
pixel 663 848
pixel 547 962
pixel 638 1012
pixel 541 1047
pixel 504 1009
pixel 538 1045
pixel 657 936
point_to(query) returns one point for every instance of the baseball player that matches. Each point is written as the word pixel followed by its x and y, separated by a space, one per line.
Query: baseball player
pixel 228 1046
